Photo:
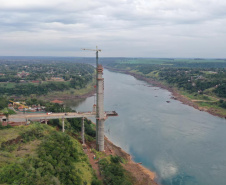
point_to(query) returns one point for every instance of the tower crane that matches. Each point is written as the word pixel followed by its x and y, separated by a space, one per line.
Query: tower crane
pixel 97 93
pixel 97 50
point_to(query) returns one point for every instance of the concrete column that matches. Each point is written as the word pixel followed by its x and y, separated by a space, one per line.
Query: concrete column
pixel 97 145
pixel 101 135
pixel 63 125
pixel 46 121
pixel 100 109
pixel 83 131
pixel 97 106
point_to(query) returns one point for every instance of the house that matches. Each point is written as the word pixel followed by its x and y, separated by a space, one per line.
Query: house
pixel 22 74
pixel 35 81
pixel 57 101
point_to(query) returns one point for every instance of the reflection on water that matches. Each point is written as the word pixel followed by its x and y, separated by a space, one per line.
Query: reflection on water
pixel 74 102
pixel 182 145
pixel 81 104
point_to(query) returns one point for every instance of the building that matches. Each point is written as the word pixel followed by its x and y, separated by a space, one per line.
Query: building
pixel 57 101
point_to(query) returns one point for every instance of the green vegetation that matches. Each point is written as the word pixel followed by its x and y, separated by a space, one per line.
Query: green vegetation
pixel 3 102
pixel 5 110
pixel 38 154
pixel 113 171
pixel 41 77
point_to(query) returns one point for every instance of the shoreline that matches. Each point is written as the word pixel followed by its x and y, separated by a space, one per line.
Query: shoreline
pixel 175 94
pixel 69 97
pixel 142 174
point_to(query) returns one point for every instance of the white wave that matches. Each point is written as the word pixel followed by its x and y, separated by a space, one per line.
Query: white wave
pixel 166 169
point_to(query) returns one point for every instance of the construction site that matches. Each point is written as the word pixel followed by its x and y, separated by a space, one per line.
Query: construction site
pixel 98 112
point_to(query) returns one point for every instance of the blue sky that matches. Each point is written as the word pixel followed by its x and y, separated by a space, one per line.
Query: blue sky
pixel 121 28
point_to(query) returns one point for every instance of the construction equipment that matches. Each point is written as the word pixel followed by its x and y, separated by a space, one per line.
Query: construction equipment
pixel 19 104
pixel 99 103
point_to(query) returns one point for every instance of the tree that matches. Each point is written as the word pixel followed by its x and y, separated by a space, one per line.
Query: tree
pixel 6 113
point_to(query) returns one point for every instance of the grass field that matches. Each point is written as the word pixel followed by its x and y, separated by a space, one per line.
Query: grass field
pixel 167 61
pixel 213 106
pixel 196 96
pixel 7 84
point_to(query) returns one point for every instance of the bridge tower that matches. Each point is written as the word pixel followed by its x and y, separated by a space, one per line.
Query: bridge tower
pixel 100 115
pixel 99 103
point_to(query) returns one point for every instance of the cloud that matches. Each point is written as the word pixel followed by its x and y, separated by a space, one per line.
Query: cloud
pixel 155 28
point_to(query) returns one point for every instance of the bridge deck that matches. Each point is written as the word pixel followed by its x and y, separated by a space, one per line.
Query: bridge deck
pixel 35 116
pixel 38 116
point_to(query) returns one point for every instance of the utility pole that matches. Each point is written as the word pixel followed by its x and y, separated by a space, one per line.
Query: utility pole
pixel 99 103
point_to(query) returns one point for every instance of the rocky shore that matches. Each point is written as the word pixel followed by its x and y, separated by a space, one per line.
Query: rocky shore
pixel 141 174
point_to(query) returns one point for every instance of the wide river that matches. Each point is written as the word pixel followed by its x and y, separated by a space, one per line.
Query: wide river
pixel 181 144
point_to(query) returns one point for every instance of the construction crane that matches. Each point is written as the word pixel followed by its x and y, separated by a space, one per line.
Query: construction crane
pixel 97 50
pixel 17 103
pixel 97 90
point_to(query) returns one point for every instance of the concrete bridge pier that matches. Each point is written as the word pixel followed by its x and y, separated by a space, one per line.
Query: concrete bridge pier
pixel 63 125
pixel 101 134
pixel 46 121
pixel 100 117
pixel 83 131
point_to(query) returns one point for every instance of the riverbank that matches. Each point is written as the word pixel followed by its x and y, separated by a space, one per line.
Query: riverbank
pixel 175 92
pixel 73 94
pixel 139 174
pixel 65 97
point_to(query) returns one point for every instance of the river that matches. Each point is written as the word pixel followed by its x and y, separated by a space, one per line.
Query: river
pixel 184 146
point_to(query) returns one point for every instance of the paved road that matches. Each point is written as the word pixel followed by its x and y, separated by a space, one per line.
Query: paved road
pixel 36 116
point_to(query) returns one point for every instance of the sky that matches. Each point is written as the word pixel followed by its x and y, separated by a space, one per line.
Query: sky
pixel 120 28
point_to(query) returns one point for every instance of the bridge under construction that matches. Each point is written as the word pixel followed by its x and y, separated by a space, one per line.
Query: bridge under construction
pixel 98 110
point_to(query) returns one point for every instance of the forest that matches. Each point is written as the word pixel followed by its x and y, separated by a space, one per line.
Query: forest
pixel 40 154
pixel 57 159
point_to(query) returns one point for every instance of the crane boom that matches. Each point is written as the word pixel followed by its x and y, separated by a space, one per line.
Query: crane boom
pixel 17 103
pixel 92 49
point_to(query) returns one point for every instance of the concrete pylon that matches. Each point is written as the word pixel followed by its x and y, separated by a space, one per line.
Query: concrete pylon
pixel 97 106
pixel 101 134
pixel 63 125
pixel 46 121
pixel 83 131
pixel 100 108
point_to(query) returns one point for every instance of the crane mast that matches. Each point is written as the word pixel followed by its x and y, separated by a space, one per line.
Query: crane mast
pixel 100 116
